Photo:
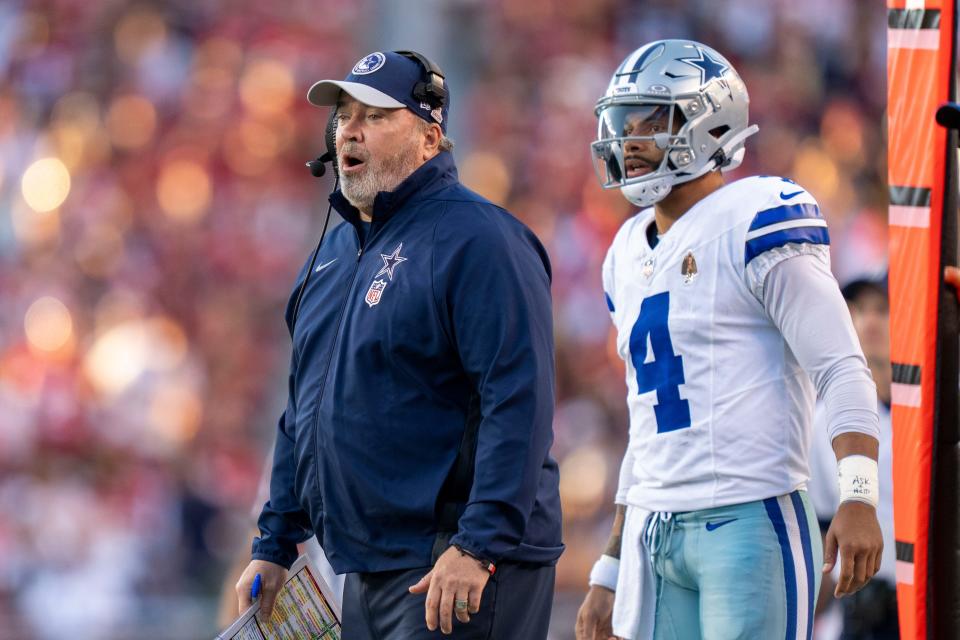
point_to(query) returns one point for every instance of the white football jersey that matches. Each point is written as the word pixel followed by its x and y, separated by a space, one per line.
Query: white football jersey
pixel 720 409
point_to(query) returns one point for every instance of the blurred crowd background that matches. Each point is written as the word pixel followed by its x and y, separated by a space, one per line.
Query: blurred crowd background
pixel 155 208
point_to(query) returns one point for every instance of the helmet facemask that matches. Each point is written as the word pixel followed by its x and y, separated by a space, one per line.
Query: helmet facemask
pixel 641 148
pixel 701 104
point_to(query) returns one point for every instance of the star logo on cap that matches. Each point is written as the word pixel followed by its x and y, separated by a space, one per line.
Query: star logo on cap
pixel 709 68
pixel 369 64
pixel 390 262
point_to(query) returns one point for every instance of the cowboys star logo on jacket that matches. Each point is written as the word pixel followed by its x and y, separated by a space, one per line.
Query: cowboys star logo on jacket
pixel 390 262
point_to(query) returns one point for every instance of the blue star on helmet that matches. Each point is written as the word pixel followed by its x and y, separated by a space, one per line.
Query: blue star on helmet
pixel 390 262
pixel 708 67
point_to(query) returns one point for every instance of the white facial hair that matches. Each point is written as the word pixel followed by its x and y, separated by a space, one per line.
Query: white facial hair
pixel 383 174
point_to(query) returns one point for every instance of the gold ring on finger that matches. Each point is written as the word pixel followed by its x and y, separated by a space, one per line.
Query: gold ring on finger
pixel 461 605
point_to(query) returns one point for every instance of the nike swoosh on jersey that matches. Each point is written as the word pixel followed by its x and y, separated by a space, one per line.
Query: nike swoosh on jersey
pixel 324 266
pixel 787 196
pixel 713 526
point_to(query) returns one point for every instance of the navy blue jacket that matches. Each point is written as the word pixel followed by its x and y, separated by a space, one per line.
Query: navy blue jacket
pixel 443 310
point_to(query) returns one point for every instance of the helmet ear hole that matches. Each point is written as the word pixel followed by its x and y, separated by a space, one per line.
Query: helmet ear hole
pixel 719 132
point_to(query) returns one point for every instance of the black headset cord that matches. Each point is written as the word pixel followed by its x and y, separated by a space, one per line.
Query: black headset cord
pixel 313 260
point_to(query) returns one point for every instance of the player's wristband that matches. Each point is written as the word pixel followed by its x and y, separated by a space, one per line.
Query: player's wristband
pixel 604 573
pixel 858 479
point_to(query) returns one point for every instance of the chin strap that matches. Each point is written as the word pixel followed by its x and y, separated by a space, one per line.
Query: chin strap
pixel 730 148
pixel 740 137
pixel 730 152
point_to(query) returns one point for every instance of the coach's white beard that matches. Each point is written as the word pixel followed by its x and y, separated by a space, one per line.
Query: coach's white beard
pixel 385 174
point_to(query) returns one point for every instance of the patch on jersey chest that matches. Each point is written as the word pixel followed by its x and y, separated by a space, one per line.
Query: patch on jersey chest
pixel 647 269
pixel 688 268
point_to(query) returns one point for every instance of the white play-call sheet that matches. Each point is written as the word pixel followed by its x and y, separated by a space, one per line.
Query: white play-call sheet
pixel 305 610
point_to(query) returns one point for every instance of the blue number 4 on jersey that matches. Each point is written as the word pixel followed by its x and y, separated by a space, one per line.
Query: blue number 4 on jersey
pixel 665 373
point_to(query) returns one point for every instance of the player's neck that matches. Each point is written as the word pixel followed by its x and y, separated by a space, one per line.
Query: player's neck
pixel 682 198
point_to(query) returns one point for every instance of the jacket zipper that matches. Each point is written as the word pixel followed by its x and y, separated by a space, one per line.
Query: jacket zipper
pixel 333 350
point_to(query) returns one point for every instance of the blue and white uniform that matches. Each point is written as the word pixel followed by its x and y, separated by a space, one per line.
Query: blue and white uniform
pixel 730 326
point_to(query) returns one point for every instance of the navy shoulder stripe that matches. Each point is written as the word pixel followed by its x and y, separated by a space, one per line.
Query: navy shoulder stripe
pixel 796 235
pixel 609 301
pixel 785 213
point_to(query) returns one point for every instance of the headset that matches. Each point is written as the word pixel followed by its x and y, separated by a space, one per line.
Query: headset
pixel 317 170
pixel 433 91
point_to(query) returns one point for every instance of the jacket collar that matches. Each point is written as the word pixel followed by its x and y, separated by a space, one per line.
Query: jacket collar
pixel 433 175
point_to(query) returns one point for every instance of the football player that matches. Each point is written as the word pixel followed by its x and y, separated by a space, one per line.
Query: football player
pixel 730 324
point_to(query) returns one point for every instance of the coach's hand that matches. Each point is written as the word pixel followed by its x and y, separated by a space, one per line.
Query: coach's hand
pixel 595 617
pixel 271 576
pixel 856 532
pixel 455 576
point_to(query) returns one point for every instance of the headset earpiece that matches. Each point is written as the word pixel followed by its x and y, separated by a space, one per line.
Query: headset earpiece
pixel 433 91
pixel 330 140
pixel 317 170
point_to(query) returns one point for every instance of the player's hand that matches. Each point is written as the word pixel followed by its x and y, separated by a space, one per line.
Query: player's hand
pixel 271 576
pixel 595 617
pixel 951 275
pixel 855 532
pixel 455 576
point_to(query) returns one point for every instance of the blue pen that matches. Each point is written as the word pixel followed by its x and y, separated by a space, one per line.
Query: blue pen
pixel 255 589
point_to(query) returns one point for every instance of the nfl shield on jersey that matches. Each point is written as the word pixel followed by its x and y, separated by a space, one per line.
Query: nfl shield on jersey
pixel 720 409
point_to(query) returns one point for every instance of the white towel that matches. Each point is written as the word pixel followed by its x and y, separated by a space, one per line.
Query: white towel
pixel 634 608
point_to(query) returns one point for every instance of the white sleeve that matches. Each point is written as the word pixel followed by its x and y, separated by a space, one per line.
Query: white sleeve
pixel 822 486
pixel 609 287
pixel 803 300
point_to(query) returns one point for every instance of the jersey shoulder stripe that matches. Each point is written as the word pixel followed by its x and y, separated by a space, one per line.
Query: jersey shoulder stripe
pixel 807 234
pixel 784 213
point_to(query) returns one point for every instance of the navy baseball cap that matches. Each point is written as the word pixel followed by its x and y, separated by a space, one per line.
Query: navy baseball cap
pixel 856 287
pixel 384 80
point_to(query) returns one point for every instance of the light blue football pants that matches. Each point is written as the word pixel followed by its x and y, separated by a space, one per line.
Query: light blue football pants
pixel 749 571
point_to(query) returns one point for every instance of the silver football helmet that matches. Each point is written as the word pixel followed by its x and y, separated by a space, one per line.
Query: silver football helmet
pixel 684 98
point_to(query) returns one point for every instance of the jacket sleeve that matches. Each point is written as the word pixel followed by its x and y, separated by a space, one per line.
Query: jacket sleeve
pixel 283 523
pixel 492 282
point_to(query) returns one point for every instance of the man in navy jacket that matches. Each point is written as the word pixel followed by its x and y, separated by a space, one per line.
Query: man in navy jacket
pixel 423 347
